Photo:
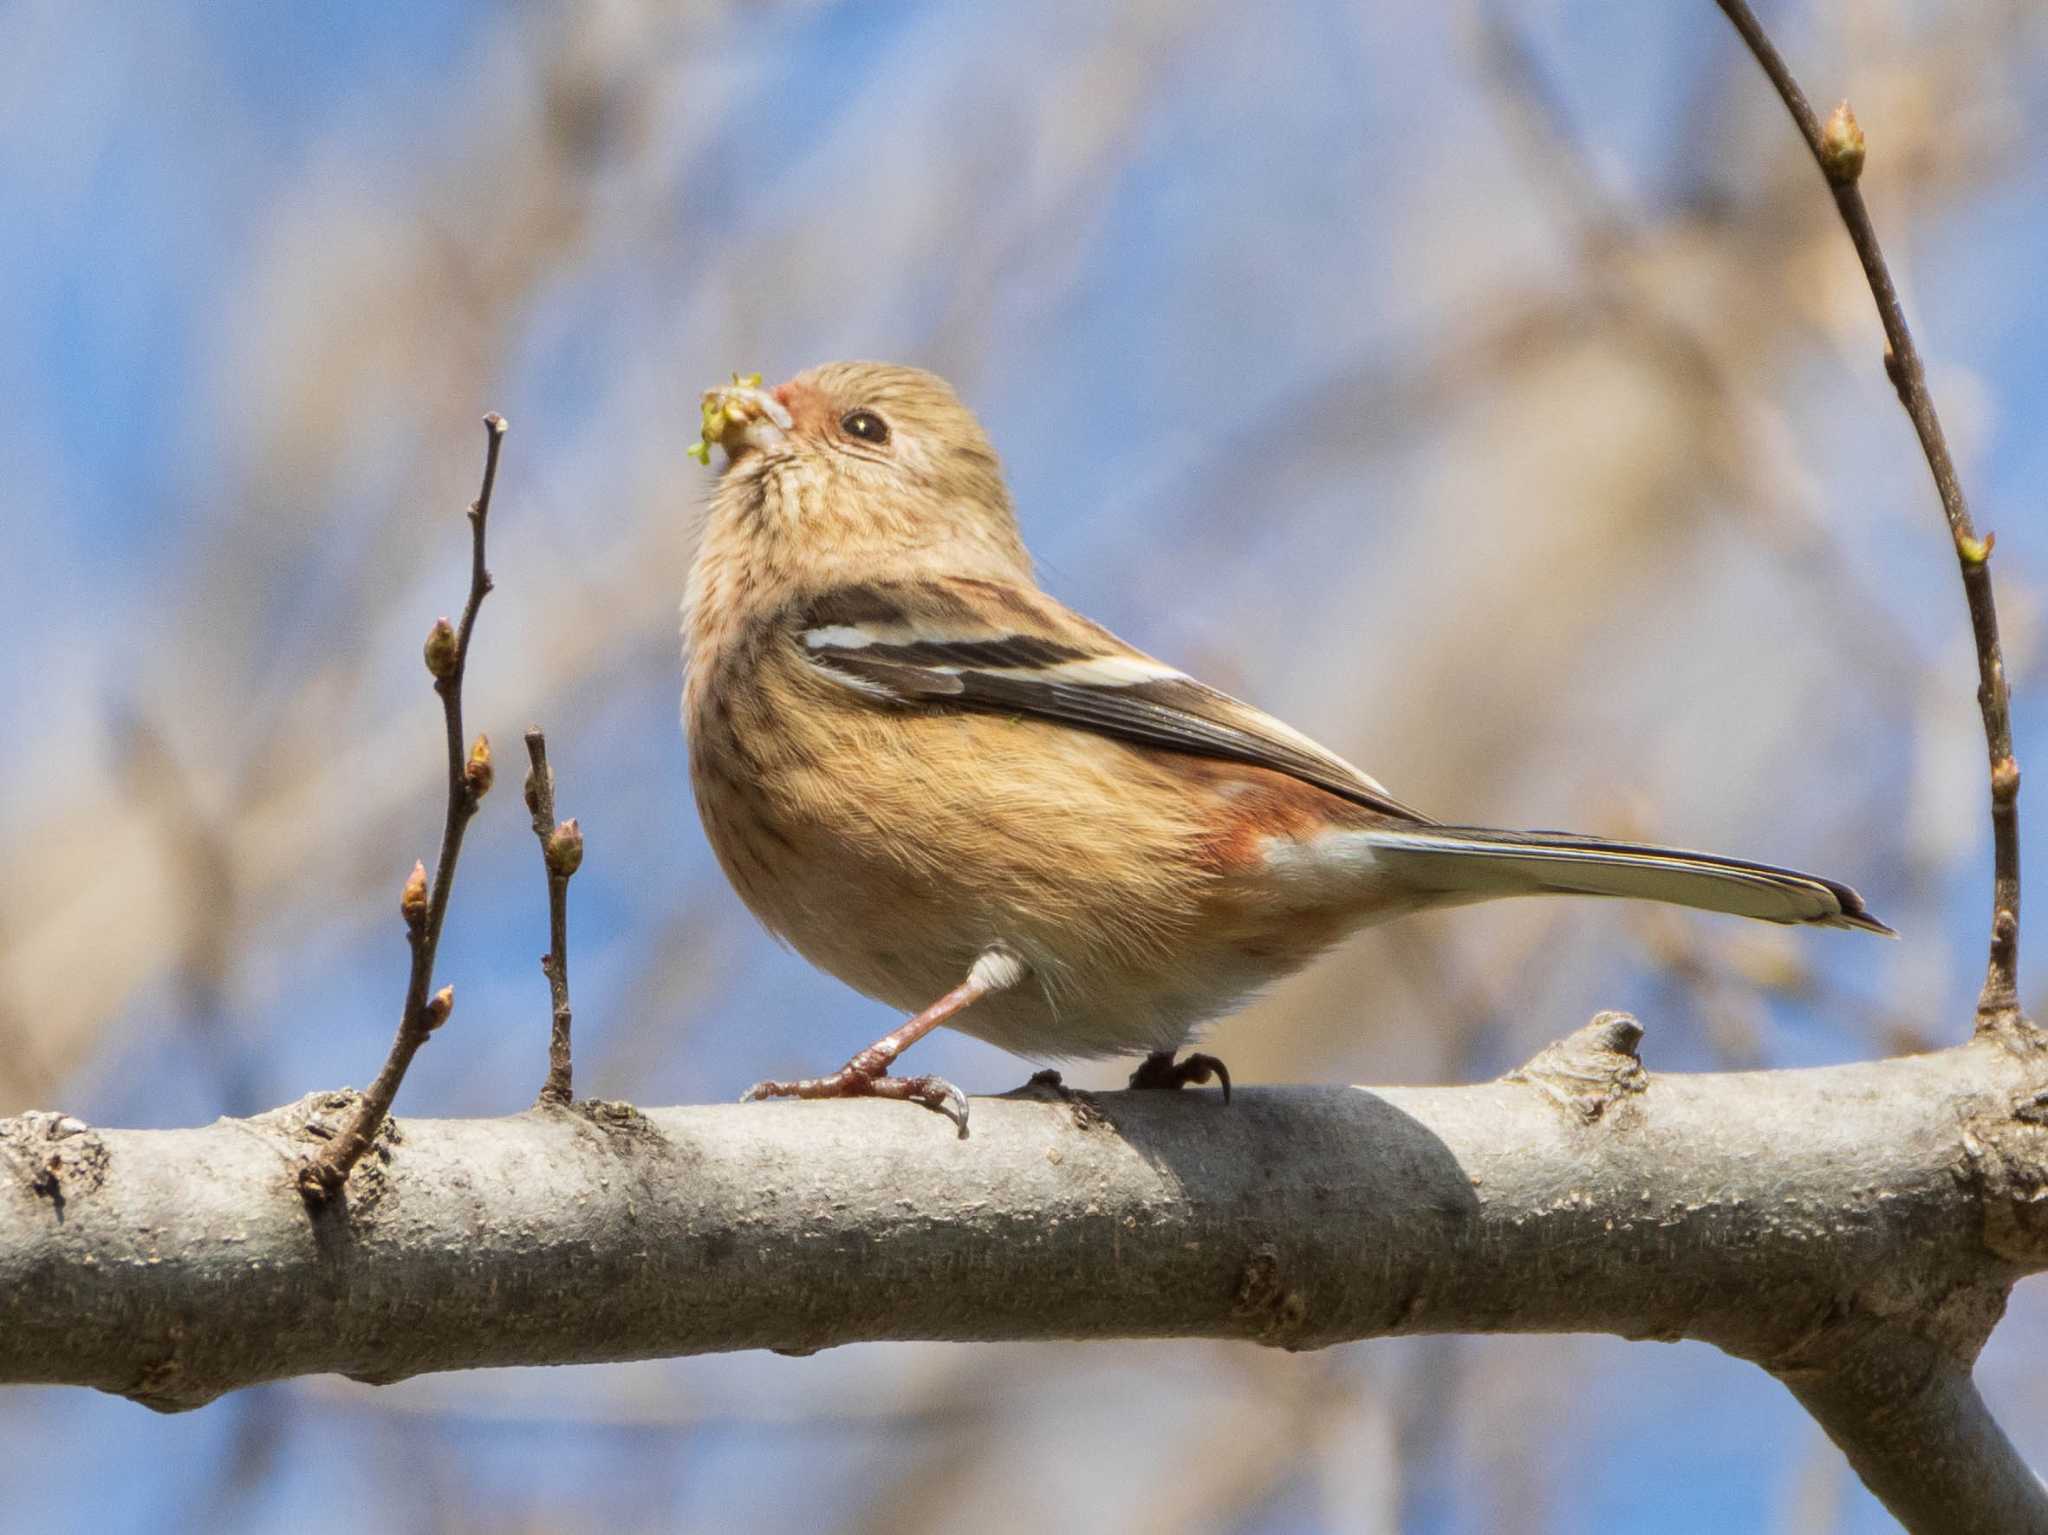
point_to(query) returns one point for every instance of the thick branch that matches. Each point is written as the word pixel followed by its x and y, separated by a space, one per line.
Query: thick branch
pixel 1813 1221
pixel 1838 148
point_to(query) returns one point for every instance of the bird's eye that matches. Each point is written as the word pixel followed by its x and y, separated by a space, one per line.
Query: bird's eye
pixel 865 425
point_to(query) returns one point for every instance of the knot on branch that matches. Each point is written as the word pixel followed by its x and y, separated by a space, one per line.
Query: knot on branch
pixel 1270 1308
pixel 167 1385
pixel 1048 1087
pixel 1591 1070
pixel 2008 1155
pixel 316 1123
pixel 52 1156
pixel 1999 1016
pixel 612 1116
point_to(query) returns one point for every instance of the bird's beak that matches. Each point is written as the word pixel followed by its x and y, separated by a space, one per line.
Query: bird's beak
pixel 741 417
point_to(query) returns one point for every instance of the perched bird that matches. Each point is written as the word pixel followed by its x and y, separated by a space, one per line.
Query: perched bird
pixel 970 802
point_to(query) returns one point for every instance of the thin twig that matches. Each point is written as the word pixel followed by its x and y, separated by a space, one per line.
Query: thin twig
pixel 561 851
pixel 424 907
pixel 1838 148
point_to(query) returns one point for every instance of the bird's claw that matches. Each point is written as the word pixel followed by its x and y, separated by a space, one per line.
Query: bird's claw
pixel 1161 1070
pixel 935 1093
pixel 941 1096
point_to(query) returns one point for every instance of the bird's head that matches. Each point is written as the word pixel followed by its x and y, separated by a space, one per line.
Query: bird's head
pixel 854 461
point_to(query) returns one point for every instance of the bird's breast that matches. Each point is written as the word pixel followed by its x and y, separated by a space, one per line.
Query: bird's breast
pixel 1146 890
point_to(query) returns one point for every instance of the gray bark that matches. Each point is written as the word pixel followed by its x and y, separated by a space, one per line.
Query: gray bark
pixel 1853 1229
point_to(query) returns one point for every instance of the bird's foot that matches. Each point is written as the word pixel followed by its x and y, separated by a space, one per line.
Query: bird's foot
pixel 1161 1070
pixel 1047 1087
pixel 1045 1083
pixel 860 1078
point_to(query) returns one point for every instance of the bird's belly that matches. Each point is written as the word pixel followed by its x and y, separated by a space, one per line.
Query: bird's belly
pixel 1101 980
pixel 894 859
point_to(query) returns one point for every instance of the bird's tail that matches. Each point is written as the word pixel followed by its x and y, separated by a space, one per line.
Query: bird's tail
pixel 1473 863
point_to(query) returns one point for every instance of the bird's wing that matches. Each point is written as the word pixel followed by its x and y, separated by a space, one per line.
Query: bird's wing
pixel 1008 649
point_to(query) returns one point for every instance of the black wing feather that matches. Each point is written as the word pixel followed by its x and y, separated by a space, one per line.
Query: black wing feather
pixel 1002 676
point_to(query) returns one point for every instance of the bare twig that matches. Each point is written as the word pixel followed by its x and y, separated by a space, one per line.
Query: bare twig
pixel 424 907
pixel 1838 148
pixel 561 851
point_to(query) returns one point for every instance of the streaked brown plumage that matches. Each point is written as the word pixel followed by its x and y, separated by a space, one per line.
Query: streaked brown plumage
pixel 942 786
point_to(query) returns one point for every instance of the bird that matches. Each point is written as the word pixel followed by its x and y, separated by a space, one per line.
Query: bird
pixel 939 784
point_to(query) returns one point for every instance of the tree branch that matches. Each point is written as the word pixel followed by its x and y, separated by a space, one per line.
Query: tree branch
pixel 322 1175
pixel 561 855
pixel 1917 1432
pixel 1910 1420
pixel 1826 1224
pixel 1838 148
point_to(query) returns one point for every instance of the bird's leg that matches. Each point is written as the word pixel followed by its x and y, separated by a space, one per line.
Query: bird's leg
pixel 867 1074
pixel 1161 1070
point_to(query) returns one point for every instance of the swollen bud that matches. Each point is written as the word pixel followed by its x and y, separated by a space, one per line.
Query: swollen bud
pixel 439 1006
pixel 1841 146
pixel 412 901
pixel 440 649
pixel 2005 781
pixel 478 772
pixel 565 849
